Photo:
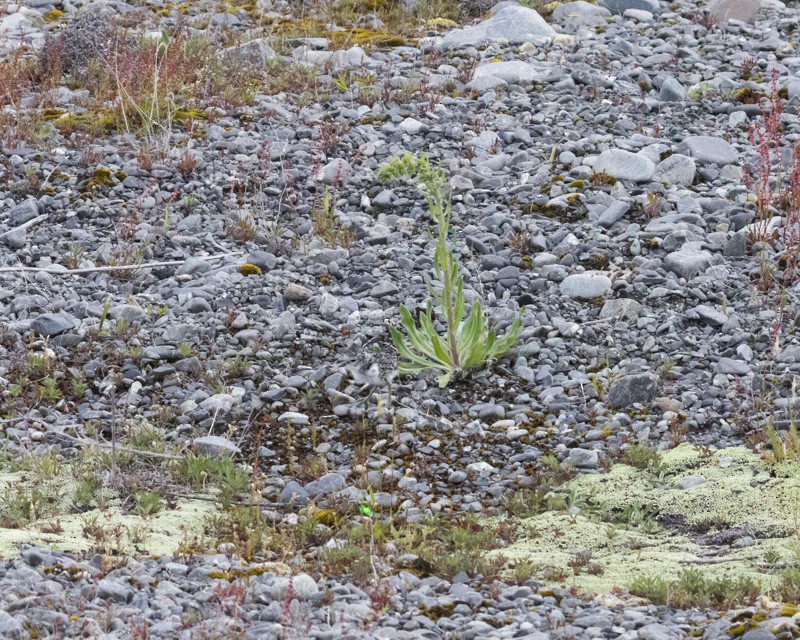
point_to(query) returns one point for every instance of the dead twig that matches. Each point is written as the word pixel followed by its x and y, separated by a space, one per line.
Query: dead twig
pixel 128 267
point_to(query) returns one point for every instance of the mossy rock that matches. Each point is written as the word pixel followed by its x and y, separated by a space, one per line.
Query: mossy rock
pixel 367 37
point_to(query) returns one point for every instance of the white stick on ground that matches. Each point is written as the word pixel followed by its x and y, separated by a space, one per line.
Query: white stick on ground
pixel 126 267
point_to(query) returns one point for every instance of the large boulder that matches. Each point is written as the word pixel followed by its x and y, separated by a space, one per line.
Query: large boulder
pixel 723 10
pixel 513 24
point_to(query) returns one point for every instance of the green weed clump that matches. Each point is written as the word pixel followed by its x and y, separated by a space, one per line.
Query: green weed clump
pixel 693 589
pixel 466 344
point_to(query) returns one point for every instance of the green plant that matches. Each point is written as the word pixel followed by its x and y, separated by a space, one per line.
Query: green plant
pixel 643 458
pixel 147 503
pixel 467 344
pixel 693 588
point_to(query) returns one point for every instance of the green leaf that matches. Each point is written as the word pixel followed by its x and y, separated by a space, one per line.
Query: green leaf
pixel 444 379
pixel 423 341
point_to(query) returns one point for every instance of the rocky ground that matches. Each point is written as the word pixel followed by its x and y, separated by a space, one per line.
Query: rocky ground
pixel 199 266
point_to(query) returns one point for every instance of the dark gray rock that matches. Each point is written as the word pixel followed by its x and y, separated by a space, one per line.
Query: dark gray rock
pixel 632 389
pixel 53 324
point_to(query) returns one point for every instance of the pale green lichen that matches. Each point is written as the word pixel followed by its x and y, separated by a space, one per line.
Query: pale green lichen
pixel 157 535
pixel 739 492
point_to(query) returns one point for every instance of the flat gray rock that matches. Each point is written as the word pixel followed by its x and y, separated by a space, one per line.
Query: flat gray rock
pixel 628 390
pixel 621 6
pixel 53 324
pixel 708 149
pixel 672 91
pixel 514 24
pixel 690 481
pixel 578 9
pixel 723 10
pixel 590 284
pixel 676 170
pixel 687 263
pixel 256 53
pixel 624 165
pixel 215 446
pixel 621 309
pixel 513 72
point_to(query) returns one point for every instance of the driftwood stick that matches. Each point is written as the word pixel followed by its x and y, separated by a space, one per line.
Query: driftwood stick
pixel 716 560
pixel 27 225
pixel 125 267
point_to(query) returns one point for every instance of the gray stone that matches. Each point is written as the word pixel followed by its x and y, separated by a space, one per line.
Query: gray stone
pixel 789 354
pixel 577 9
pixel 677 169
pixel 710 315
pixel 263 260
pixel 108 589
pixel 613 214
pixel 736 246
pixel 621 6
pixel 690 481
pixel 412 127
pixel 672 91
pixel 457 477
pixel 302 586
pixel 590 284
pixel 512 72
pixel 296 293
pixel 723 10
pixel 295 417
pixel 733 367
pixel 11 628
pixel 583 458
pixel 16 238
pixel 215 446
pixel 128 312
pixel 192 266
pixel 331 483
pixel 335 172
pixel 621 308
pixel 486 83
pixel 53 324
pixel 514 24
pixel 23 212
pixel 708 149
pixel 293 493
pixel 628 390
pixel 254 54
pixel 624 165
pixel 687 263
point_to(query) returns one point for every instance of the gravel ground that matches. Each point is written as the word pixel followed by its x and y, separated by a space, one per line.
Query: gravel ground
pixel 598 164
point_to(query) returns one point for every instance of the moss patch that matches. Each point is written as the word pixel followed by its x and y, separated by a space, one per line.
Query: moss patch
pixel 740 492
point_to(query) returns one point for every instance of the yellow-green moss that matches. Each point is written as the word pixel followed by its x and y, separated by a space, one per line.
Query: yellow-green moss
pixel 526 263
pixel 441 23
pixel 327 517
pixel 237 574
pixel 248 269
pixel 100 178
pixel 51 114
pixel 193 113
pixel 577 184
pixel 748 95
pixel 368 37
pixel 53 15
